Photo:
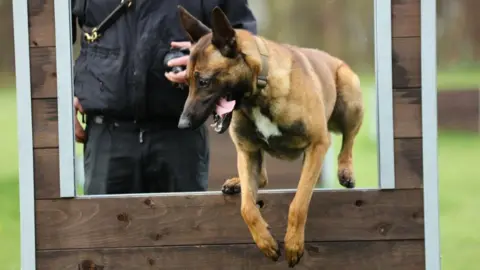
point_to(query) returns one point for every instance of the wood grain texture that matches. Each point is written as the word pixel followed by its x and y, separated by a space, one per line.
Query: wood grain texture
pixel 405 18
pixel 45 123
pixel 43 72
pixel 408 163
pixel 41 23
pixel 367 255
pixel 407 112
pixel 47 177
pixel 215 219
pixel 406 62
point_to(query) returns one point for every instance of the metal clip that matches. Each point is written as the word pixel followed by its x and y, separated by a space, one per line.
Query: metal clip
pixel 91 37
pixel 129 2
pixel 95 33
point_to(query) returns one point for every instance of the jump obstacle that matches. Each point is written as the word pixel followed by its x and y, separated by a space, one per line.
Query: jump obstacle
pixel 392 227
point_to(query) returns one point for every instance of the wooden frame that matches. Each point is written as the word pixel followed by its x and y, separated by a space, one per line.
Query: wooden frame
pixel 374 229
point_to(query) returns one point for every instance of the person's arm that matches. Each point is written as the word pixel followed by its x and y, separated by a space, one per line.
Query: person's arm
pixel 74 28
pixel 74 24
pixel 239 14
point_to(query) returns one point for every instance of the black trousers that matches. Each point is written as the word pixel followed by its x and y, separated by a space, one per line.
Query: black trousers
pixel 121 158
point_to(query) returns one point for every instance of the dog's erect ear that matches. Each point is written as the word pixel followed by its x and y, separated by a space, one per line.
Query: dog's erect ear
pixel 223 37
pixel 195 29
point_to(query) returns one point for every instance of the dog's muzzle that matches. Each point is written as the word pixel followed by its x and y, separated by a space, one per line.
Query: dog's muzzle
pixel 184 122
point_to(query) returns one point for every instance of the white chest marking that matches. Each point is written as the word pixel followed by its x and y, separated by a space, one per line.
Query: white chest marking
pixel 266 127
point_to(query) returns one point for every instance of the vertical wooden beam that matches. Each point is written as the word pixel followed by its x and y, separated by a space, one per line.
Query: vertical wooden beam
pixel 407 92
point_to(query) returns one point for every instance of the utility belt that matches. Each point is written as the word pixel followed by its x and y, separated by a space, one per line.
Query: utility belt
pixel 133 126
pixel 128 124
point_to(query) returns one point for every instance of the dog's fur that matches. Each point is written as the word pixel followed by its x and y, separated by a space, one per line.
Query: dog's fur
pixel 308 94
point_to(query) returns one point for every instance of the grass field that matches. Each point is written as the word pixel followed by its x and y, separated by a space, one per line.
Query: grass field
pixel 459 156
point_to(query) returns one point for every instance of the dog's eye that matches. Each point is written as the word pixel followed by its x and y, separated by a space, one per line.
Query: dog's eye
pixel 203 82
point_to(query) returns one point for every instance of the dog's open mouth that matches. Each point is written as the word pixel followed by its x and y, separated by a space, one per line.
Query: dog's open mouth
pixel 223 114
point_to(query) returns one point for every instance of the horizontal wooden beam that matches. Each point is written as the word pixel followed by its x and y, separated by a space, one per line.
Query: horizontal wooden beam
pixel 391 255
pixel 215 219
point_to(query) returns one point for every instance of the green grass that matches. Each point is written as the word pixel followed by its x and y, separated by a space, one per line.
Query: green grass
pixel 459 155
pixel 9 203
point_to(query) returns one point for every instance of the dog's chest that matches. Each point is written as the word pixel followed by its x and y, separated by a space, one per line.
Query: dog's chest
pixel 264 125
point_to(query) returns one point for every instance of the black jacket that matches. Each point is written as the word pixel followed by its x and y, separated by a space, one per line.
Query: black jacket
pixel 122 74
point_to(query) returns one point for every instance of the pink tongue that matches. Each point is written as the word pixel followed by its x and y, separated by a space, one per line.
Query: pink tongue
pixel 224 106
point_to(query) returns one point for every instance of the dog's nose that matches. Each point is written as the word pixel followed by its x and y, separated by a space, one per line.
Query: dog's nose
pixel 184 122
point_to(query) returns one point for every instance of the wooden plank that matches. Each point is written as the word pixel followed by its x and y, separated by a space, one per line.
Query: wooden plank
pixel 47 178
pixel 407 112
pixel 405 18
pixel 408 163
pixel 367 255
pixel 42 23
pixel 45 123
pixel 406 62
pixel 43 72
pixel 215 219
pixel 407 93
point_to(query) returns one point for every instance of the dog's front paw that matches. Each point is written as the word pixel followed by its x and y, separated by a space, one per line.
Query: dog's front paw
pixel 267 244
pixel 345 177
pixel 231 186
pixel 294 248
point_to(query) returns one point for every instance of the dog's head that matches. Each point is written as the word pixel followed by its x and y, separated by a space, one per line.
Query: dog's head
pixel 220 70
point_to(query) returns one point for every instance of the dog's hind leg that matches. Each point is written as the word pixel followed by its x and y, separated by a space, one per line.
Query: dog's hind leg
pixel 249 170
pixel 297 215
pixel 350 107
pixel 232 185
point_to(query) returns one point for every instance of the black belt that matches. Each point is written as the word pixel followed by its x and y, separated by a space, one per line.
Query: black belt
pixel 92 34
pixel 134 126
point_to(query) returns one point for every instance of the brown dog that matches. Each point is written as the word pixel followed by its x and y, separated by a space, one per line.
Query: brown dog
pixel 273 98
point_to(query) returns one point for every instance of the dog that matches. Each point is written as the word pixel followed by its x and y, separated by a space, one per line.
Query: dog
pixel 273 98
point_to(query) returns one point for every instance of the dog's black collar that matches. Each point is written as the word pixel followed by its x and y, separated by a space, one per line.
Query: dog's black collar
pixel 262 78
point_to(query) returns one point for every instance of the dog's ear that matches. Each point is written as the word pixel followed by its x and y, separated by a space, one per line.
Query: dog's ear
pixel 223 34
pixel 195 28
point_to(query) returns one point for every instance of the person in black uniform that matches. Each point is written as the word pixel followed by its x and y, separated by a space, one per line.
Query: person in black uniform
pixel 129 100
